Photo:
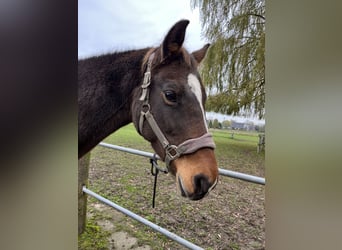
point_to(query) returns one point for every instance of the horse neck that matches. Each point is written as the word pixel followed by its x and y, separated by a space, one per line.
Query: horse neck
pixel 106 84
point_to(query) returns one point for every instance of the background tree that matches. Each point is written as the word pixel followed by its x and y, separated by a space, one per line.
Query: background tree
pixel 226 124
pixel 210 124
pixel 234 69
pixel 216 124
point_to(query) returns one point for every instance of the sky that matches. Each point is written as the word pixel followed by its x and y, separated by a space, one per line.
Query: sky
pixel 105 26
pixel 111 25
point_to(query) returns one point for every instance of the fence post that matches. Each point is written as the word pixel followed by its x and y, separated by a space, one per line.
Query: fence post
pixel 83 173
pixel 261 143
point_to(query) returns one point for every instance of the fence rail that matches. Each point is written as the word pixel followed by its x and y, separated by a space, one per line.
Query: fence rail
pixel 242 176
pixel 134 216
pixel 180 240
pixel 224 172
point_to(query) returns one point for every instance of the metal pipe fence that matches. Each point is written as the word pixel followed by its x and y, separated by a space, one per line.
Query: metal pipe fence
pixel 134 216
pixel 130 150
pixel 242 176
pixel 180 240
pixel 224 172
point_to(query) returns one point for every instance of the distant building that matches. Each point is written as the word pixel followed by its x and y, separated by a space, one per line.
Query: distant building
pixel 238 125
pixel 249 126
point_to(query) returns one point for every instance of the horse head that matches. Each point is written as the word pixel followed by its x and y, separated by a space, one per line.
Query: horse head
pixel 168 111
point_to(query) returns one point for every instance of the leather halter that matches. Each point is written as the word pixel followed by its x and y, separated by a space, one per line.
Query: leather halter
pixel 172 152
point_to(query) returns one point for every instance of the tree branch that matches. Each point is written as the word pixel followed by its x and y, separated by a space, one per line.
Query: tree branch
pixel 256 15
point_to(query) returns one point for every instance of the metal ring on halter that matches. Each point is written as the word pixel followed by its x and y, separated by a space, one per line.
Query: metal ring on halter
pixel 147 106
pixel 172 152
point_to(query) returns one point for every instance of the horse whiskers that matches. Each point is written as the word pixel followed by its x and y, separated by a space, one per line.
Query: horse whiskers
pixel 212 186
pixel 181 187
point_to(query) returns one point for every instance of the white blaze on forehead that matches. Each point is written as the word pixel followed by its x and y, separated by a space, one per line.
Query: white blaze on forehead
pixel 195 87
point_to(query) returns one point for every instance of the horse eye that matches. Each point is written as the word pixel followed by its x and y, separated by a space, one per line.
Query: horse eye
pixel 170 96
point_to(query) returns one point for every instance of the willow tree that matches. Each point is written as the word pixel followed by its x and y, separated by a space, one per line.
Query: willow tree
pixel 234 69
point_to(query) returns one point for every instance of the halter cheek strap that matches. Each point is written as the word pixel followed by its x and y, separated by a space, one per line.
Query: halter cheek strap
pixel 172 152
pixel 147 81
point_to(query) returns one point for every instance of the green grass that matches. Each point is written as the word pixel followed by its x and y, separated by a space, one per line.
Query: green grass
pixel 126 180
pixel 93 237
pixel 127 136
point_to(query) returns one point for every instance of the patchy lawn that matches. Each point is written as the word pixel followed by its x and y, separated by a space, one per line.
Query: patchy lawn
pixel 231 217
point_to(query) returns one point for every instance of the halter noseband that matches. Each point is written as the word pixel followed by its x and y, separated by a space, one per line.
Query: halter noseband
pixel 172 152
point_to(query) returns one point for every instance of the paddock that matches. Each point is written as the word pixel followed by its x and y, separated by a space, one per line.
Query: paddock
pixel 223 172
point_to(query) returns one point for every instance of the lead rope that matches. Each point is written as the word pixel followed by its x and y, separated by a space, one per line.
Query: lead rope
pixel 155 171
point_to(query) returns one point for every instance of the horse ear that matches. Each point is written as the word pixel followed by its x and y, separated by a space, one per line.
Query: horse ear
pixel 200 54
pixel 174 39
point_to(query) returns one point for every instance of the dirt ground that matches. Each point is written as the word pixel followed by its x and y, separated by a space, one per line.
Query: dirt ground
pixel 232 216
pixel 109 221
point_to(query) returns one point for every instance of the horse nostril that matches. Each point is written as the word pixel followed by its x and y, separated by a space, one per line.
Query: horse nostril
pixel 202 185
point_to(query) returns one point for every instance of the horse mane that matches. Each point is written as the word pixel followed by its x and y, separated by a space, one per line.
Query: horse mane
pixel 159 57
pixel 105 86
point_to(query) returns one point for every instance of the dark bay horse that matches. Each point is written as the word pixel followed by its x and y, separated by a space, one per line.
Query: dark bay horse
pixel 160 91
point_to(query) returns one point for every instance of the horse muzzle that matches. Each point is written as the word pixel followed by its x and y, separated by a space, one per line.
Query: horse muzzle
pixel 202 187
pixel 196 174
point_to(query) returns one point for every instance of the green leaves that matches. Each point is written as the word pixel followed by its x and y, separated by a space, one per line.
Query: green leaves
pixel 234 68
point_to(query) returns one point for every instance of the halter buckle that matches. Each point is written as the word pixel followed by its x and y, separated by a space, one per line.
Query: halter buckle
pixel 172 152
